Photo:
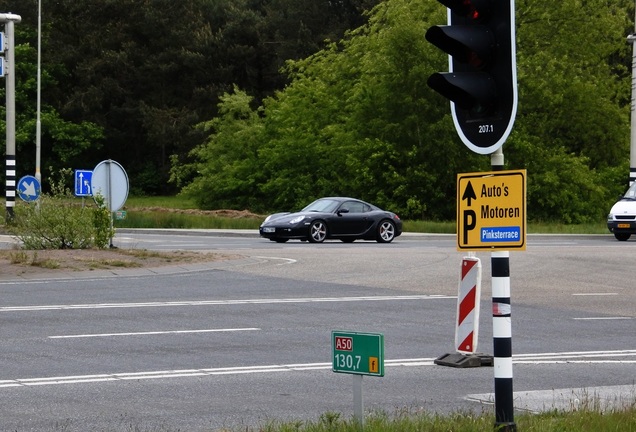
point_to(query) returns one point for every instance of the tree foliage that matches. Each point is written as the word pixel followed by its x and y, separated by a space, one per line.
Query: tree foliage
pixel 128 80
pixel 267 104
pixel 358 119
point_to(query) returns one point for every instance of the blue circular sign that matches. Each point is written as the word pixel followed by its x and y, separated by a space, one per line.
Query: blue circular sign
pixel 29 188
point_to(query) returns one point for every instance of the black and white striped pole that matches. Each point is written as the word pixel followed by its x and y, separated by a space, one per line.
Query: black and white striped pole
pixel 8 69
pixel 502 329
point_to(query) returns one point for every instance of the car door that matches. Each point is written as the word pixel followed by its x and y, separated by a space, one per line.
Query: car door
pixel 351 219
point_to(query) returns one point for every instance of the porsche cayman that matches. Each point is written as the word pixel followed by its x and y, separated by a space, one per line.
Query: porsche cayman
pixel 340 218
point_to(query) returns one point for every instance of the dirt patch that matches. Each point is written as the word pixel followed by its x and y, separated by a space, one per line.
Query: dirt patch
pixel 18 262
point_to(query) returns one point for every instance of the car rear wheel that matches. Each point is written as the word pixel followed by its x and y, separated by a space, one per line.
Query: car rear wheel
pixel 622 236
pixel 317 231
pixel 386 232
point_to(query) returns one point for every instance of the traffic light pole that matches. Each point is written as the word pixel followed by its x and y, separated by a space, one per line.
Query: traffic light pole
pixel 502 328
pixel 482 86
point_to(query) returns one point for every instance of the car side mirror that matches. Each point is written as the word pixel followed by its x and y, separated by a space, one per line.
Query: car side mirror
pixel 343 211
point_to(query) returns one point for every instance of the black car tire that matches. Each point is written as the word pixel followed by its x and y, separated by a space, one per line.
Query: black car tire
pixel 622 236
pixel 317 231
pixel 386 231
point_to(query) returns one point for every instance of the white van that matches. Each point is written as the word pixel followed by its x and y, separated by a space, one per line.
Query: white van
pixel 622 217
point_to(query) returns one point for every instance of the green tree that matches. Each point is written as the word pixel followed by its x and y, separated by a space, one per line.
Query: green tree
pixel 358 119
pixel 227 165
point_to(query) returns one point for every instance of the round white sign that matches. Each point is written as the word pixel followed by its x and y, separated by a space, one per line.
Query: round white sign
pixel 110 181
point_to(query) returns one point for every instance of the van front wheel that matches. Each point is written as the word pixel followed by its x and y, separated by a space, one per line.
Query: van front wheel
pixel 622 236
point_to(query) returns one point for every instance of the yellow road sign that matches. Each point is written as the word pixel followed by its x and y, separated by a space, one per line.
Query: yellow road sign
pixel 491 210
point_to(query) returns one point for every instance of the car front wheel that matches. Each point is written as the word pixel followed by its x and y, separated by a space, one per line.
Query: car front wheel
pixel 317 231
pixel 386 232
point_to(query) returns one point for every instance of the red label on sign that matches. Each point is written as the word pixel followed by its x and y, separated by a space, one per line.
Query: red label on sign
pixel 344 343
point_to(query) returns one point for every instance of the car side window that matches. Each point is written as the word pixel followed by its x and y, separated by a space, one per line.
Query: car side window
pixel 354 207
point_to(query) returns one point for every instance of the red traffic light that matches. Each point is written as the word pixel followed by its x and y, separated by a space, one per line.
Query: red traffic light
pixel 482 80
pixel 472 9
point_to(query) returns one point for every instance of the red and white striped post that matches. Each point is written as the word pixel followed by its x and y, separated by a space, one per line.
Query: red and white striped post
pixel 469 296
pixel 467 322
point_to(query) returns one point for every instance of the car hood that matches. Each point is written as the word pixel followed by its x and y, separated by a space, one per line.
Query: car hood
pixel 286 217
pixel 625 206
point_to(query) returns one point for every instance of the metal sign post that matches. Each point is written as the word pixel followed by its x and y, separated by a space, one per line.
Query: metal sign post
pixel 491 215
pixel 502 324
pixel 358 354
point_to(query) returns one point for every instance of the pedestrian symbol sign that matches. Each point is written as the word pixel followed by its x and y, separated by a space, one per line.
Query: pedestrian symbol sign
pixel 491 210
pixel 83 183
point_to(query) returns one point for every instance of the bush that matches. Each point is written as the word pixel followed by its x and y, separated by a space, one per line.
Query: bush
pixel 58 221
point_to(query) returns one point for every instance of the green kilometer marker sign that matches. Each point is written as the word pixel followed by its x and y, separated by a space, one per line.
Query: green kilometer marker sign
pixel 357 353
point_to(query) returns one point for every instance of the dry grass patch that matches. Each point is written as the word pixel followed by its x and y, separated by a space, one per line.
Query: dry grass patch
pixel 19 262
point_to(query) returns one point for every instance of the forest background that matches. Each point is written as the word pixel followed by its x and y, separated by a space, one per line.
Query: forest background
pixel 267 104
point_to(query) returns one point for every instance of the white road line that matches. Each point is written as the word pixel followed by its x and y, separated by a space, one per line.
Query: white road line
pixel 540 358
pixel 153 333
pixel 221 302
pixel 285 260
pixel 186 373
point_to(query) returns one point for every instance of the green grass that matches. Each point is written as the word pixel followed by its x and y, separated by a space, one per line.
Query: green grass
pixel 176 202
pixel 157 219
pixel 139 216
pixel 405 421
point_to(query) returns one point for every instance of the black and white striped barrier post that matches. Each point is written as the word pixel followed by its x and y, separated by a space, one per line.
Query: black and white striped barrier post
pixel 10 187
pixel 502 341
pixel 502 329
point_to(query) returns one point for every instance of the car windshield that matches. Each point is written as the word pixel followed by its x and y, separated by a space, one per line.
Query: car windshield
pixel 322 205
pixel 631 192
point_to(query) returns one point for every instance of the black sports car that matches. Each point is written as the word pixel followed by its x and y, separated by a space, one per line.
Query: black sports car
pixel 346 219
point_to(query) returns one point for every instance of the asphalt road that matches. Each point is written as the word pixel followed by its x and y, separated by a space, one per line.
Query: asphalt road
pixel 246 341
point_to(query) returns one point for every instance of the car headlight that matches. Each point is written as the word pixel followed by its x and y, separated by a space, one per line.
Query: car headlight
pixel 610 217
pixel 296 220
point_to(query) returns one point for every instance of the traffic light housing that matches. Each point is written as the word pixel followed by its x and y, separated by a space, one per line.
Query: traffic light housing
pixel 482 81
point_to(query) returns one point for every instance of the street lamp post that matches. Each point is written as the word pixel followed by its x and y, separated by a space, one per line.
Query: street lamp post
pixel 632 148
pixel 9 20
pixel 38 124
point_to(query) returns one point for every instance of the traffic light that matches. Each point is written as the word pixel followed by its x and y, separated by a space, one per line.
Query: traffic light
pixel 482 81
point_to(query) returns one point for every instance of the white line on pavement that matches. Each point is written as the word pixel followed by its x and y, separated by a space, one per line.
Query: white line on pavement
pixel 539 358
pixel 153 333
pixel 221 302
